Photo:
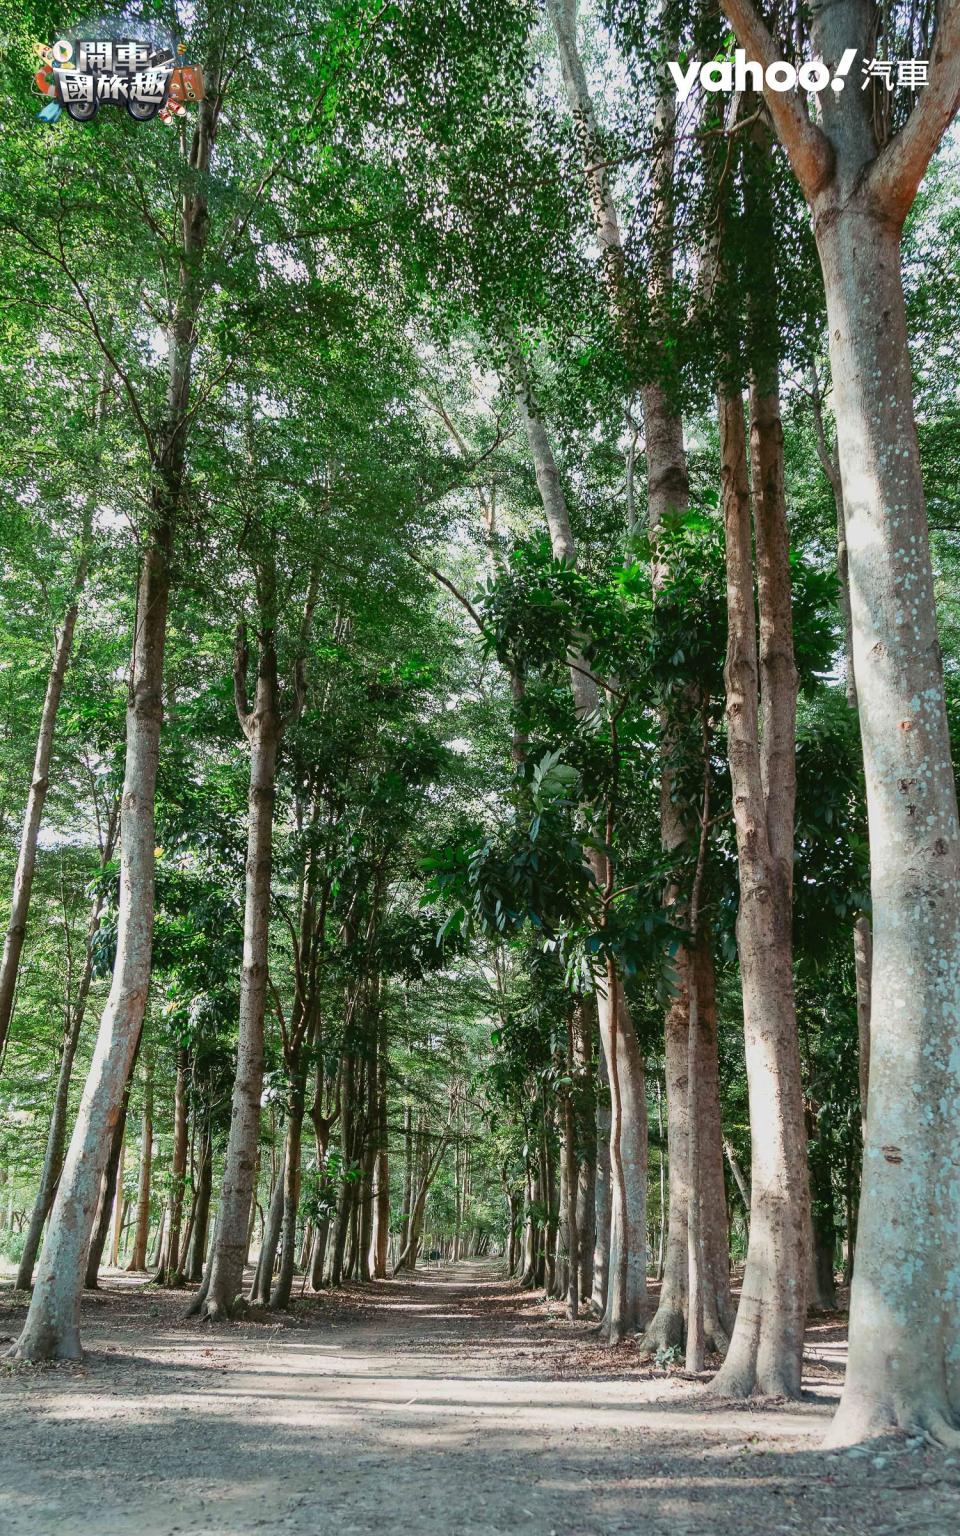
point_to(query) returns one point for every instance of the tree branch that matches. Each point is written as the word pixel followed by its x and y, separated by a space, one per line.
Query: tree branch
pixel 809 149
pixel 898 170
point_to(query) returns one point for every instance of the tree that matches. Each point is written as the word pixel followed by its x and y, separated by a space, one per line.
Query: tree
pixel 902 1372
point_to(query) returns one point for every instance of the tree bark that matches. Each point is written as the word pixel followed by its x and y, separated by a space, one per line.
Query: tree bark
pixel 108 1185
pixel 39 784
pixel 138 1258
pixel 170 1273
pixel 602 1200
pixel 263 1275
pixel 118 1209
pixel 586 1133
pixel 280 1294
pixel 766 1350
pixel 193 1268
pixel 381 1195
pixel 57 1131
pixel 263 728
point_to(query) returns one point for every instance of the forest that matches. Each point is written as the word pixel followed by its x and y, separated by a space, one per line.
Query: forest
pixel 479 698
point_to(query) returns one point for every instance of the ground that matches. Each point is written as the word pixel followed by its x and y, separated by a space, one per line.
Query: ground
pixel 451 1403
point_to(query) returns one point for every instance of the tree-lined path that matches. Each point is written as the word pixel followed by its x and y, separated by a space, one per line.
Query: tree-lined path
pixel 447 1403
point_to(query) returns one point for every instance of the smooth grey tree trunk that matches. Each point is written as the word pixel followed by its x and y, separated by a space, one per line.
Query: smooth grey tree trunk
pixel 766 1350
pixel 263 727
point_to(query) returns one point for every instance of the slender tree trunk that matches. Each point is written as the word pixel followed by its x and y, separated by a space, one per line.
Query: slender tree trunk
pixel 52 1327
pixel 263 1275
pixel 201 1213
pixel 696 1265
pixel 382 1176
pixel 766 1349
pixel 171 1274
pixel 118 1209
pixel 863 969
pixel 280 1294
pixel 719 1309
pixel 138 1258
pixel 30 832
pixel 108 1185
pixel 822 1290
pixel 368 1163
pixel 603 1199
pixel 407 1171
pixel 57 1131
pixel 570 1190
pixel 262 727
pixel 585 1130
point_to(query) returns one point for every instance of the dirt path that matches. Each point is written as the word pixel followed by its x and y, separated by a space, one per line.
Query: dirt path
pixel 450 1404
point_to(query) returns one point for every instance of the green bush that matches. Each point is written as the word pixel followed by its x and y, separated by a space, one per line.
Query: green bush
pixel 12 1245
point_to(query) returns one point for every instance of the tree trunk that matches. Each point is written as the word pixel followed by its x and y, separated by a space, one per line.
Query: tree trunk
pixel 52 1327
pixel 319 1254
pixel 262 727
pixel 368 1163
pixel 822 1290
pixel 170 1272
pixel 138 1258
pixel 263 1275
pixel 603 1201
pixel 381 1197
pixel 27 857
pixel 280 1294
pixel 108 1183
pixel 585 1127
pixel 766 1350
pixel 193 1269
pixel 696 1265
pixel 719 1309
pixel 57 1131
pixel 118 1209
pixel 626 1305
pixel 900 1324
pixel 570 1188
pixel 863 969
pixel 668 1326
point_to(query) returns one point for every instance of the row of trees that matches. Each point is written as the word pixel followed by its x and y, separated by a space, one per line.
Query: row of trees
pixel 509 481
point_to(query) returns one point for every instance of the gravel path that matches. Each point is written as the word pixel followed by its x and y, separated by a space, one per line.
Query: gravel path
pixel 449 1404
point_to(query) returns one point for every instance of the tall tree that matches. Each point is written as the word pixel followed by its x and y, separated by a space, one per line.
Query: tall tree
pixel 903 1367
